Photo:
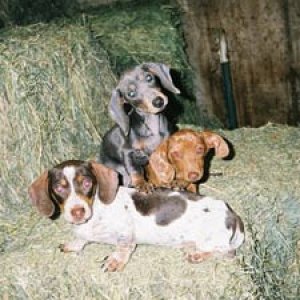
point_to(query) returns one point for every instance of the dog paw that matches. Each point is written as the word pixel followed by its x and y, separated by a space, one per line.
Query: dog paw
pixel 112 264
pixel 139 158
pixel 74 246
pixel 64 248
pixel 198 257
pixel 145 187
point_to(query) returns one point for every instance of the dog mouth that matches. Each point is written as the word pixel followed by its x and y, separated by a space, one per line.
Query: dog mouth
pixel 80 221
pixel 194 176
pixel 190 177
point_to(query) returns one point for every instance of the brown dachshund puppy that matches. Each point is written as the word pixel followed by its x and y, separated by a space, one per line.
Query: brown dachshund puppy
pixel 178 162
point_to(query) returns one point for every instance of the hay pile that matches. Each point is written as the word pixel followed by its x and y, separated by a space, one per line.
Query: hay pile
pixel 55 83
pixel 261 183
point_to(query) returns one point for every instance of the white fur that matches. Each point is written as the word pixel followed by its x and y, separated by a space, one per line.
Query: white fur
pixel 73 199
pixel 120 222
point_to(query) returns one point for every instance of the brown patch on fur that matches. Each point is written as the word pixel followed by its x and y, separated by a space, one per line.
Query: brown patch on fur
pixel 233 221
pixel 159 171
pixel 39 195
pixel 108 182
pixel 165 208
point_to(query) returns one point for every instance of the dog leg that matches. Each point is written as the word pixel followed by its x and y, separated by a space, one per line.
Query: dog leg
pixel 139 182
pixel 198 256
pixel 74 246
pixel 193 255
pixel 193 188
pixel 119 258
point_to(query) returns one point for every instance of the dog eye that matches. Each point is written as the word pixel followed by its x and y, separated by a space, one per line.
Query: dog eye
pixel 131 94
pixel 176 154
pixel 59 189
pixel 200 150
pixel 149 78
pixel 87 183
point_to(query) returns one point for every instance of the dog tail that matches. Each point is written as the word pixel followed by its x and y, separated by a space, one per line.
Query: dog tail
pixel 235 223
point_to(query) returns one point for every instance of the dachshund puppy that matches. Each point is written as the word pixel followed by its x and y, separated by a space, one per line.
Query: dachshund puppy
pixel 137 106
pixel 178 162
pixel 86 194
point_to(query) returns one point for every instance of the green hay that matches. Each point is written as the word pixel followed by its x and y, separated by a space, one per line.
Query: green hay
pixel 262 189
pixel 138 32
pixel 55 83
pixel 143 31
pixel 54 92
pixel 21 12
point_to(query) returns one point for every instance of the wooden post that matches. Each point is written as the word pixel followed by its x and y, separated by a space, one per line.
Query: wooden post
pixel 227 83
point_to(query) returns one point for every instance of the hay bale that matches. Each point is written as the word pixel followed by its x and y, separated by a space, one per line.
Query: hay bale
pixel 262 188
pixel 55 82
pixel 142 31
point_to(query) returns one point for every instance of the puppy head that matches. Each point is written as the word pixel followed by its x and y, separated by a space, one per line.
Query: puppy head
pixel 141 88
pixel 72 186
pixel 187 149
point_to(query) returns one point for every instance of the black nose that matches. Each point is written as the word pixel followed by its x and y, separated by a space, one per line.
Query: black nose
pixel 158 102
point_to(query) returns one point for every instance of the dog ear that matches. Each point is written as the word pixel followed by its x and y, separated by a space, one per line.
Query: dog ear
pixel 159 170
pixel 39 195
pixel 108 182
pixel 163 73
pixel 213 140
pixel 117 111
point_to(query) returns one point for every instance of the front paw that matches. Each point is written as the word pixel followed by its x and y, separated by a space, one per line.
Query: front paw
pixel 198 257
pixel 178 185
pixel 74 246
pixel 139 158
pixel 113 264
pixel 145 187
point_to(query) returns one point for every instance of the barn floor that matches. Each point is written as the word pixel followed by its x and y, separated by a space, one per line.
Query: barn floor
pixel 261 183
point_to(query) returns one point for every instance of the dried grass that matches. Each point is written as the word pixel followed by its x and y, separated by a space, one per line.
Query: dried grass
pixel 55 82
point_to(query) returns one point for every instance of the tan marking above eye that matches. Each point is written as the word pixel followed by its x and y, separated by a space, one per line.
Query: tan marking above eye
pixel 79 178
pixel 84 181
pixel 64 183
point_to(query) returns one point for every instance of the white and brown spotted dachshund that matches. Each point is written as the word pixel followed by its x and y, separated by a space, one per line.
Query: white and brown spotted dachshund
pixel 86 194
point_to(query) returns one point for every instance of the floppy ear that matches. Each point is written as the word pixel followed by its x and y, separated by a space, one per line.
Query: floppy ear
pixel 117 111
pixel 215 141
pixel 163 73
pixel 159 171
pixel 39 195
pixel 108 182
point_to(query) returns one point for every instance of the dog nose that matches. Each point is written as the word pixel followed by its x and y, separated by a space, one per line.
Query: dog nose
pixel 158 102
pixel 78 212
pixel 193 176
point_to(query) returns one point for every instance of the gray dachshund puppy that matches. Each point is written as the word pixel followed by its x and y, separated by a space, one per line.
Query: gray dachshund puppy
pixel 137 106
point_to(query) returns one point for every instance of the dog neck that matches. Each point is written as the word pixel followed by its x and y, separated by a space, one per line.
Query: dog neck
pixel 147 125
